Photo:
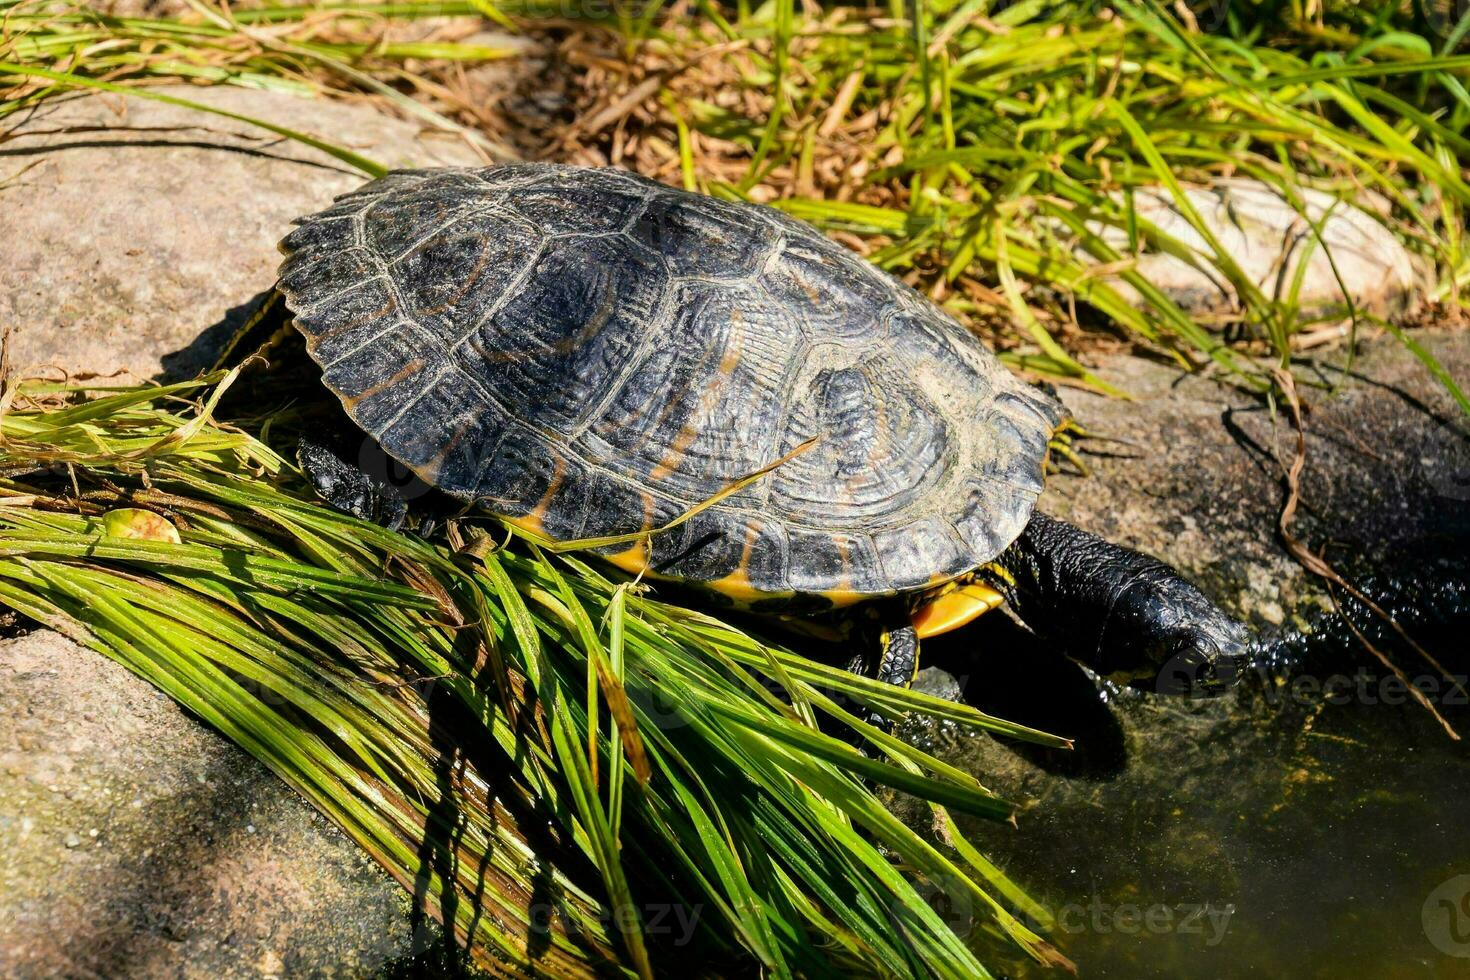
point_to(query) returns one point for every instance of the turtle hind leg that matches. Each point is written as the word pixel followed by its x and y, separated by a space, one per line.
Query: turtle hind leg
pixel 1118 611
pixel 889 652
pixel 1061 445
pixel 348 488
pixel 1070 440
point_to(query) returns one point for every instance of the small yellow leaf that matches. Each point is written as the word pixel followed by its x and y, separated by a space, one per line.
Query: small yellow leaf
pixel 132 522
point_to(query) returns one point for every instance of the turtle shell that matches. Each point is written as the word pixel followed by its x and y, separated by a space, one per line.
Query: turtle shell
pixel 586 353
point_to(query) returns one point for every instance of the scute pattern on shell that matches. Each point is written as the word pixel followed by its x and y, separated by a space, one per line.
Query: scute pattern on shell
pixel 596 353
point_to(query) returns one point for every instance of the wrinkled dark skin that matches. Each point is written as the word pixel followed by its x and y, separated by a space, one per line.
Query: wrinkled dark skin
pixel 348 488
pixel 1118 611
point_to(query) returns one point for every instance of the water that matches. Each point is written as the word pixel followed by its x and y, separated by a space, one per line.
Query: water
pixel 1316 823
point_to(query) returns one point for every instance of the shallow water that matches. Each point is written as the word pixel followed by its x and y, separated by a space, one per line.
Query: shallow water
pixel 1315 823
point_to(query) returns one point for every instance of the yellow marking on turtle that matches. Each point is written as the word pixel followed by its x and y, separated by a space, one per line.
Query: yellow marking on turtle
pixel 1000 572
pixel 528 522
pixel 634 561
pixel 737 584
pixel 666 466
pixel 688 433
pixel 953 608
pixel 538 513
pixel 407 371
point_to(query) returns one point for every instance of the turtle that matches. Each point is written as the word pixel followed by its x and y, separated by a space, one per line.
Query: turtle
pixel 742 405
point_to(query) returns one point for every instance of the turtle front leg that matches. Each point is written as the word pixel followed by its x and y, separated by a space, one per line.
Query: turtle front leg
pixel 888 650
pixel 1119 611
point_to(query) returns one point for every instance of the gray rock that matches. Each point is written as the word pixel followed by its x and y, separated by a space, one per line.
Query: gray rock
pixel 1198 480
pixel 139 224
pixel 125 843
pixel 1269 239
pixel 133 840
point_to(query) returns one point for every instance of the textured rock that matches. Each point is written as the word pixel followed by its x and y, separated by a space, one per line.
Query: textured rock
pixel 133 840
pixel 1269 239
pixel 1310 823
pixel 136 842
pixel 1198 481
pixel 139 224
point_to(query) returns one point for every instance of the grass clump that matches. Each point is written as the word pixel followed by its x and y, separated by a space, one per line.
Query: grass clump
pixel 981 153
pixel 988 155
pixel 550 757
pixel 545 753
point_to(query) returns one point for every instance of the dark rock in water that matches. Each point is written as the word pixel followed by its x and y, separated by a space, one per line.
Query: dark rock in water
pixel 137 842
pixel 938 683
pixel 1312 822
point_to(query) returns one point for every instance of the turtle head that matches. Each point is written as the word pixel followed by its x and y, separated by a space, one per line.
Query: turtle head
pixel 1189 644
pixel 1124 614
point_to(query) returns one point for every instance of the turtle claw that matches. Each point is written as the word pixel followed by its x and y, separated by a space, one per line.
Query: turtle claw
pixel 1206 661
pixel 1190 645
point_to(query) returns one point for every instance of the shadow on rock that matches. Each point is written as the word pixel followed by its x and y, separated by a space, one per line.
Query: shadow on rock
pixel 201 353
pixel 1005 670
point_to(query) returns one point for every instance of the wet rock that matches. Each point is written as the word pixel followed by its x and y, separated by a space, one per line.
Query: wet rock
pixel 125 848
pixel 937 683
pixel 1269 239
pixel 139 224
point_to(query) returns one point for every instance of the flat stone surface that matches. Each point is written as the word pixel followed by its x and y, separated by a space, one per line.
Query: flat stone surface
pixel 1270 240
pixel 139 225
pixel 134 841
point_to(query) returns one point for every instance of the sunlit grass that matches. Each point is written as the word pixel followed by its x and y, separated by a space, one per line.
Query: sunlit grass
pixel 508 731
pixel 980 154
pixel 550 756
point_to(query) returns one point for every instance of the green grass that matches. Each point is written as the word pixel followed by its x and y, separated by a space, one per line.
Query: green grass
pixel 991 150
pixel 1003 145
pixel 997 146
pixel 504 730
